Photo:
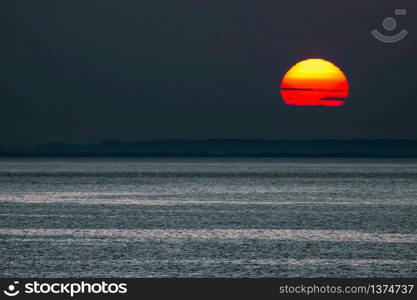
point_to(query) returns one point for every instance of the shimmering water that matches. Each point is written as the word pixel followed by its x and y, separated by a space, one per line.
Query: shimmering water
pixel 208 217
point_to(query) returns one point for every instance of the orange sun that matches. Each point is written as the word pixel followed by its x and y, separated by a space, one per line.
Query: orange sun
pixel 314 82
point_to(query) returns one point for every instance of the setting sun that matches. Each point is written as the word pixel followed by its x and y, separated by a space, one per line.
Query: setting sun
pixel 314 82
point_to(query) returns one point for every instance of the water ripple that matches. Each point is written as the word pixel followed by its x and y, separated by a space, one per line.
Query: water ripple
pixel 217 234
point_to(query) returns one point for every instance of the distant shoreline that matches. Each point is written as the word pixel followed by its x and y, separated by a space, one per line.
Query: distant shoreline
pixel 169 155
pixel 224 148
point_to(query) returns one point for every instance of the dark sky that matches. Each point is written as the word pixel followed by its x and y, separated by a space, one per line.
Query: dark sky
pixel 82 71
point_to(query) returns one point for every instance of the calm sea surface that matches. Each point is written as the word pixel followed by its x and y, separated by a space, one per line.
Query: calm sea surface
pixel 208 218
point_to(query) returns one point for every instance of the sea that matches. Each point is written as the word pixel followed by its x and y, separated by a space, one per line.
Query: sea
pixel 208 217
